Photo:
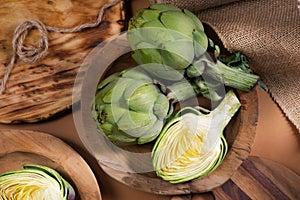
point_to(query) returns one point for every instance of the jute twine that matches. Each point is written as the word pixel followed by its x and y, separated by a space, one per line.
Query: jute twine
pixel 33 54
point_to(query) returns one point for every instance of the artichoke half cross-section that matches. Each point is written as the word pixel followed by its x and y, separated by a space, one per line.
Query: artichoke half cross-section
pixel 192 144
pixel 35 182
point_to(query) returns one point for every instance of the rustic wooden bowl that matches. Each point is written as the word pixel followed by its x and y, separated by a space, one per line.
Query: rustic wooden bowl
pixel 19 147
pixel 126 164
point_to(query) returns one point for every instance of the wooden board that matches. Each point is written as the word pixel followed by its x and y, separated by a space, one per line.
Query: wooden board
pixel 259 178
pixel 256 179
pixel 38 91
pixel 19 147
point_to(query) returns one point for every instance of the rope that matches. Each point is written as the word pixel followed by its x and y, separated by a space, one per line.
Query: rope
pixel 33 54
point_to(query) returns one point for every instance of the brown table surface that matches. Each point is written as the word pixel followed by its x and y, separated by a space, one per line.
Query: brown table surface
pixel 276 139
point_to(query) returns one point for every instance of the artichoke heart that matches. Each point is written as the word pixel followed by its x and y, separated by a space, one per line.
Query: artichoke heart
pixel 192 144
pixel 35 182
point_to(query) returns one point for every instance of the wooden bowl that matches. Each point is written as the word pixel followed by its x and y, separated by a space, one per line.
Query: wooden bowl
pixel 19 147
pixel 132 165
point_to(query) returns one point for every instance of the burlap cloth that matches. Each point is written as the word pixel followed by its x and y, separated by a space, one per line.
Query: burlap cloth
pixel 268 33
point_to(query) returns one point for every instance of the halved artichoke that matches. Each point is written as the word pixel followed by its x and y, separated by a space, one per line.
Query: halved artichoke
pixel 192 144
pixel 35 182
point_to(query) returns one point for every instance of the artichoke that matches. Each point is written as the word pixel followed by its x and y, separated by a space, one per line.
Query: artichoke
pixel 173 37
pixel 130 107
pixel 192 144
pixel 35 182
pixel 166 35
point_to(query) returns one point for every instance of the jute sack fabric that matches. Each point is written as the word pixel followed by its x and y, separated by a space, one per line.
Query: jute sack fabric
pixel 268 33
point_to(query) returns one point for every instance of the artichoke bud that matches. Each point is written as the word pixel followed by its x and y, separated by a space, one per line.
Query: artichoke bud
pixel 177 36
pixel 135 105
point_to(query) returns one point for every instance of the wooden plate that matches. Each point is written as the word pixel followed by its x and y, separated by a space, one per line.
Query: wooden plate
pixel 132 166
pixel 19 147
pixel 38 91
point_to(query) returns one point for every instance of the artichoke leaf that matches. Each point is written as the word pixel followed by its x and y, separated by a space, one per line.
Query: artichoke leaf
pixel 151 133
pixel 161 107
pixel 141 97
pixel 197 22
pixel 135 123
pixel 163 7
pixel 177 21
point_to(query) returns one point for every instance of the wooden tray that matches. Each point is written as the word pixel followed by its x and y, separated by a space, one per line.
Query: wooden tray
pixel 19 147
pixel 38 91
pixel 117 162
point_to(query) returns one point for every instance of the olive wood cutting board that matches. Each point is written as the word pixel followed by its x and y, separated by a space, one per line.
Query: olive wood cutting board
pixel 257 179
pixel 40 90
pixel 19 147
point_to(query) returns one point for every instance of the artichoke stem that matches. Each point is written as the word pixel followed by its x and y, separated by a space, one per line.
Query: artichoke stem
pixel 226 109
pixel 181 91
pixel 235 78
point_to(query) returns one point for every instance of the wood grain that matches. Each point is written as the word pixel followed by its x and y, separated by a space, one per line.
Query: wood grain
pixel 20 147
pixel 259 178
pixel 38 91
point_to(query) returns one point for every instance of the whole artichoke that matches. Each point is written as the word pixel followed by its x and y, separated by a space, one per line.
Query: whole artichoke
pixel 167 35
pixel 131 107
pixel 174 37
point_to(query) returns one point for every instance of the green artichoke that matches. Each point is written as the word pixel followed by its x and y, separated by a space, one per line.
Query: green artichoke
pixel 166 35
pixel 35 182
pixel 192 144
pixel 131 107
pixel 173 37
